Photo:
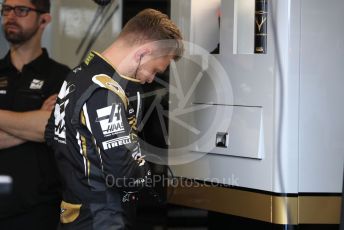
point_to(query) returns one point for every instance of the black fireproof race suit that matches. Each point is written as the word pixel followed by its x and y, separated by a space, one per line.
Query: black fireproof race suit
pixel 93 131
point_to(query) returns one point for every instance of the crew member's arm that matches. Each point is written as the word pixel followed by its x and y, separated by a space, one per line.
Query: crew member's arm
pixel 106 118
pixel 7 140
pixel 18 127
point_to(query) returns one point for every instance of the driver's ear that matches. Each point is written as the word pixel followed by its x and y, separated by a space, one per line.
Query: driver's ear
pixel 45 20
pixel 141 53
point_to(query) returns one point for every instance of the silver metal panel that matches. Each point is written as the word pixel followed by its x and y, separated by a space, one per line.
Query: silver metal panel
pixel 242 124
pixel 321 96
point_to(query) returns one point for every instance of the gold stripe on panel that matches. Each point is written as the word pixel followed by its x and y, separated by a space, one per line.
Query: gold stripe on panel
pixel 320 209
pixel 225 200
pixel 284 210
pixel 270 208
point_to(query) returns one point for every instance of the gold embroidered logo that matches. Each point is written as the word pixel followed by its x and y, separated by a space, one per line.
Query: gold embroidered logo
pixel 89 58
pixel 3 82
pixel 69 212
pixel 105 81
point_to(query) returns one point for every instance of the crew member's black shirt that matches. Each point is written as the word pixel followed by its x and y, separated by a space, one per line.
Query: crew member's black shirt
pixel 31 165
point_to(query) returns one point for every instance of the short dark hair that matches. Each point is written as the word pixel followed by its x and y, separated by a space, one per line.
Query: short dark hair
pixel 43 5
pixel 152 25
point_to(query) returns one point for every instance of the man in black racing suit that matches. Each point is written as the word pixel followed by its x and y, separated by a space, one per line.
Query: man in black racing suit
pixel 93 129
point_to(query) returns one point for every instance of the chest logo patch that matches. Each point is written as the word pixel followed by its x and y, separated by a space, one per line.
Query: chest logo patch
pixel 36 84
pixel 3 82
pixel 110 120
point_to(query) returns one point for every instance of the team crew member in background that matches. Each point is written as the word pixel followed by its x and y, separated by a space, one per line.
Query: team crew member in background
pixel 93 129
pixel 28 78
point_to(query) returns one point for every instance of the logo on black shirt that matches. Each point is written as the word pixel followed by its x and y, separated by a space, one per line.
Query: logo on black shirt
pixel 36 84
